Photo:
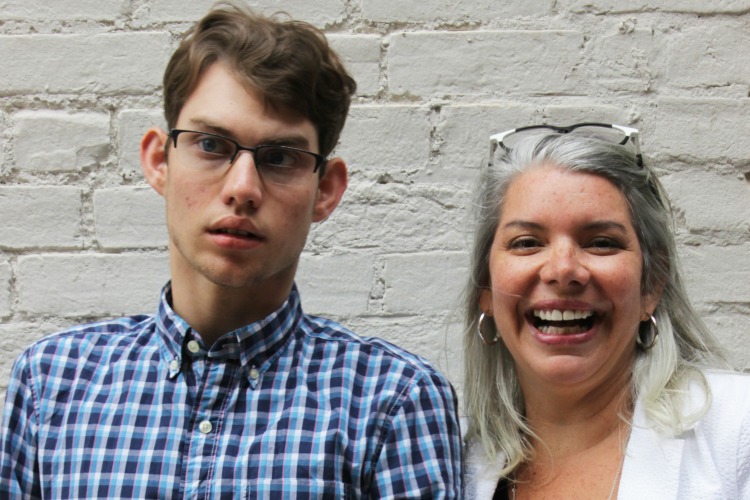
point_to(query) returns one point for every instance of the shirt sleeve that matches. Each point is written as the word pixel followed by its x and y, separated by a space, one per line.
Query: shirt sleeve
pixel 18 437
pixel 421 457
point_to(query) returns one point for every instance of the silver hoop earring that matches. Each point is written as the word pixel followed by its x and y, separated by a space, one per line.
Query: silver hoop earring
pixel 647 335
pixel 480 328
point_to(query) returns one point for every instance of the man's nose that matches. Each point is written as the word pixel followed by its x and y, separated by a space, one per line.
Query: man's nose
pixel 242 183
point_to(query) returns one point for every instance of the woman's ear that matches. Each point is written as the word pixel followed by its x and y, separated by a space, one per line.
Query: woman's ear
pixel 651 300
pixel 485 301
pixel 154 158
pixel 331 187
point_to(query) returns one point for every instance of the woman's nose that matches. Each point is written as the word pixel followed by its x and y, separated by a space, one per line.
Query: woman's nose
pixel 565 266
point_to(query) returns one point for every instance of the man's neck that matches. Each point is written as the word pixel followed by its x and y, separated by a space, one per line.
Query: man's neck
pixel 214 310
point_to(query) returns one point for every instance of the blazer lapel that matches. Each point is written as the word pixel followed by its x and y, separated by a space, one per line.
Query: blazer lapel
pixel 652 462
pixel 482 475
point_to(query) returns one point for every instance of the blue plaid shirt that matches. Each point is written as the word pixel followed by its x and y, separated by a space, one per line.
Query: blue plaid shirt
pixel 293 406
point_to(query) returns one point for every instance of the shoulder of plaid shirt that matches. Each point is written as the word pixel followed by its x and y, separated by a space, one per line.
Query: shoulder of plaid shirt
pixel 294 406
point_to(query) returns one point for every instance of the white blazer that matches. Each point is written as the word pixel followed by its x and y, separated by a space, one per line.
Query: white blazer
pixel 710 461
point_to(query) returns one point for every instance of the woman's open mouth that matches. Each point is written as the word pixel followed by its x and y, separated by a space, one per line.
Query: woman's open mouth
pixel 562 321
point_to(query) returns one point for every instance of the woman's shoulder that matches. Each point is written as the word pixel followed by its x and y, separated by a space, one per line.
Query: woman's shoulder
pixel 727 377
pixel 721 438
pixel 729 403
pixel 727 386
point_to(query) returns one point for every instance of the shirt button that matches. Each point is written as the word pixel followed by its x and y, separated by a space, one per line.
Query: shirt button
pixel 254 373
pixel 205 427
pixel 174 365
pixel 194 347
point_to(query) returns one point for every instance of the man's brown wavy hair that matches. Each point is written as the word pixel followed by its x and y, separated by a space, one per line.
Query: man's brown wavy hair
pixel 289 63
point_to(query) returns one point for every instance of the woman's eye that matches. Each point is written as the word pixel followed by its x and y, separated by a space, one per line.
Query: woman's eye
pixel 525 243
pixel 605 244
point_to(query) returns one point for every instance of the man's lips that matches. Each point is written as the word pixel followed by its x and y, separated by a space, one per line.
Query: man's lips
pixel 235 226
pixel 235 233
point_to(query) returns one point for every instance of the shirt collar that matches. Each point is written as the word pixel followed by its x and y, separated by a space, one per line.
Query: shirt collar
pixel 255 345
pixel 259 343
pixel 171 331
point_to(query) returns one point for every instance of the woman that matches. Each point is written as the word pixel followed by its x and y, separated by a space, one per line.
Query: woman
pixel 587 372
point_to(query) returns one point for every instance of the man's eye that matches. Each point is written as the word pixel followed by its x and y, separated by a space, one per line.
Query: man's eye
pixel 214 146
pixel 279 157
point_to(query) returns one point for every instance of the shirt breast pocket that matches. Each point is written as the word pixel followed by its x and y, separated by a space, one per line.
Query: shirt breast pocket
pixel 298 489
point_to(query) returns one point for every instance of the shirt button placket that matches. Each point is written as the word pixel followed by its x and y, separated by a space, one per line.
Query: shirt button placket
pixel 205 427
pixel 194 347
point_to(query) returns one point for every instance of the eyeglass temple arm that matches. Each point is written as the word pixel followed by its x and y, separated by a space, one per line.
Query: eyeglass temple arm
pixel 497 140
pixel 634 135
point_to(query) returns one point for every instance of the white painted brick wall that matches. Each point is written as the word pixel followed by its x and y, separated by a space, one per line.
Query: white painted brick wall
pixel 5 299
pixel 34 217
pixel 49 141
pixel 689 6
pixel 62 11
pixel 83 236
pixel 129 217
pixel 88 284
pixel 131 124
pixel 428 64
pixel 100 63
pixel 459 11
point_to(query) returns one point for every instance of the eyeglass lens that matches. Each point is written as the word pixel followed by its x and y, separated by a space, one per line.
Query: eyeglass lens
pixel 214 154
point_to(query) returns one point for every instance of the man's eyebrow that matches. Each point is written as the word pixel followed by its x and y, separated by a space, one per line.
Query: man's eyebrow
pixel 288 140
pixel 297 140
pixel 208 126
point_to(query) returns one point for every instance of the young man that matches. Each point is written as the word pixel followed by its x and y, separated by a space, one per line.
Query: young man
pixel 230 390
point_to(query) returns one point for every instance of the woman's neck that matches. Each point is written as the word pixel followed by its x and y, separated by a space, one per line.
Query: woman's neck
pixel 579 444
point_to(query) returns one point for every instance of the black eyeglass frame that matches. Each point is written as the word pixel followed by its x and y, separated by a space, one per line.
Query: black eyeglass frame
pixel 320 160
pixel 630 133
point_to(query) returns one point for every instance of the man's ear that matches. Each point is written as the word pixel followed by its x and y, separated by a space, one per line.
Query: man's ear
pixel 154 159
pixel 331 188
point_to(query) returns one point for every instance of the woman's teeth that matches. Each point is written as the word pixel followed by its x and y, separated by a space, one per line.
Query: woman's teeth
pixel 562 315
pixel 562 321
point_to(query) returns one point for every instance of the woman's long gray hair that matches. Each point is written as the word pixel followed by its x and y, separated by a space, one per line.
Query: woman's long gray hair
pixel 494 402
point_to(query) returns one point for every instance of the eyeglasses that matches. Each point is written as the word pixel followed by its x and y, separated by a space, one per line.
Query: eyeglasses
pixel 213 154
pixel 617 134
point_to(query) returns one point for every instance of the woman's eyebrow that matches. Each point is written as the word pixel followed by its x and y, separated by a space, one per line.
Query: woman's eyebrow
pixel 591 226
pixel 523 224
pixel 606 225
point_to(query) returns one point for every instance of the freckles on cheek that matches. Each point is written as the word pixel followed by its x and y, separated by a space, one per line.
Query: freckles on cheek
pixel 189 203
pixel 192 200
